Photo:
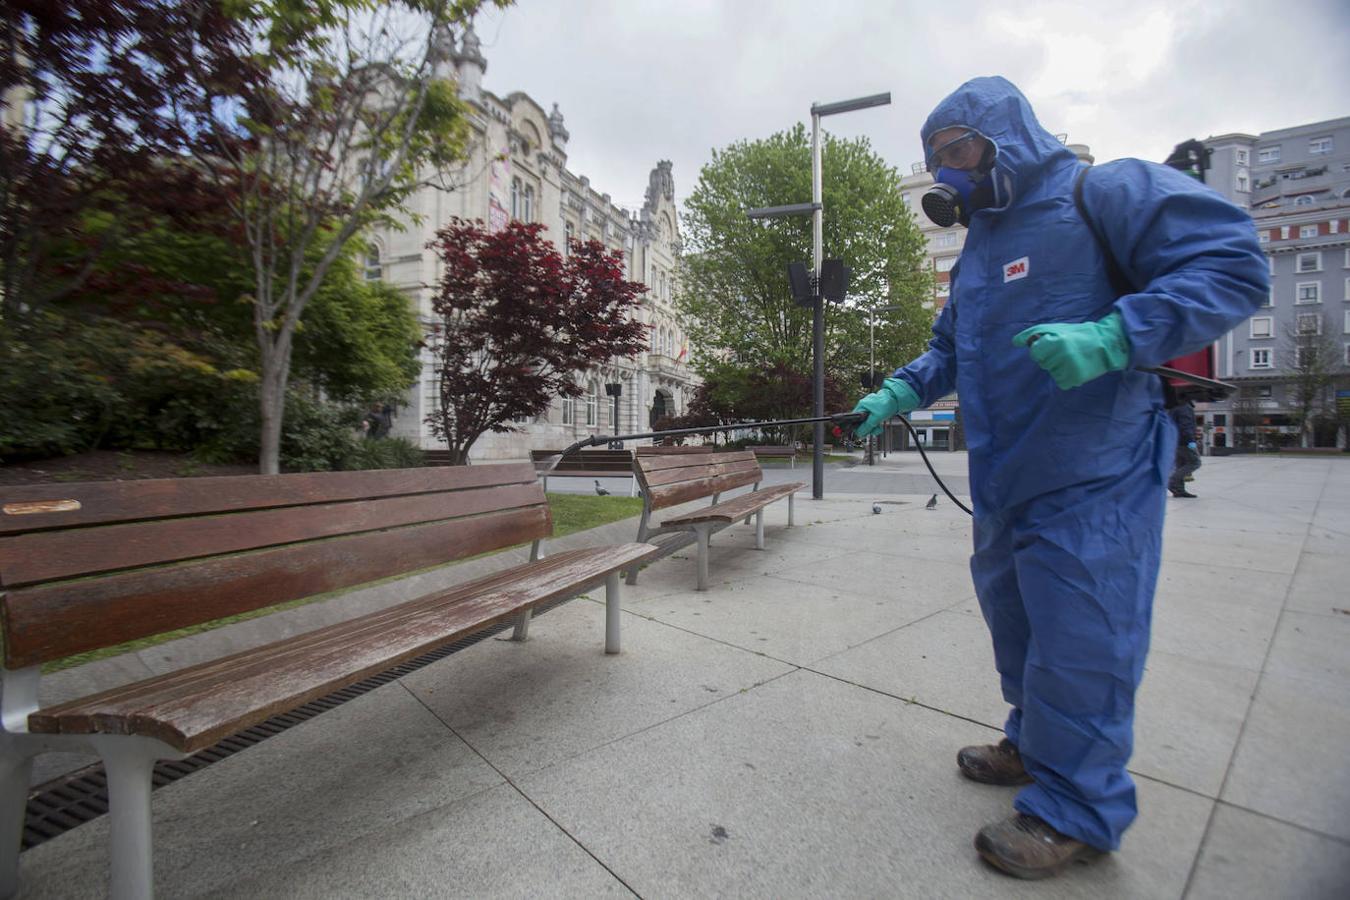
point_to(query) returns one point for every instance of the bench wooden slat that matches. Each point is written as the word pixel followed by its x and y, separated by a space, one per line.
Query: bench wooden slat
pixel 657 463
pixel 122 501
pixel 49 555
pixel 737 507
pixel 190 712
pixel 52 621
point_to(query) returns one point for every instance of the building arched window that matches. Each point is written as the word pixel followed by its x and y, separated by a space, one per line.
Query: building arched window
pixel 592 404
pixel 374 269
pixel 1303 200
pixel 528 213
pixel 515 198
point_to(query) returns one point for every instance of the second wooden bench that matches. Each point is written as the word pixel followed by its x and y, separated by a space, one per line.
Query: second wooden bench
pixel 668 481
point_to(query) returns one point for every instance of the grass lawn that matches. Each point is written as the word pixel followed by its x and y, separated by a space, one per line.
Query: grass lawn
pixel 571 513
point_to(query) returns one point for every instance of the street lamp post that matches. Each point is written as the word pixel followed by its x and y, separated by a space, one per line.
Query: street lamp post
pixel 817 210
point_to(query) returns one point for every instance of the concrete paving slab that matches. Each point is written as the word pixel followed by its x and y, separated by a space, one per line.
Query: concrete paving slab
pixel 1314 648
pixel 1216 614
pixel 785 618
pixel 357 770
pixel 807 787
pixel 1207 545
pixel 1251 857
pixel 922 585
pixel 1188 716
pixel 494 844
pixel 945 662
pixel 1290 760
pixel 528 705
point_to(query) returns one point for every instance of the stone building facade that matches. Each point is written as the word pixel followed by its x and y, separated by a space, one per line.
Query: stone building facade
pixel 517 168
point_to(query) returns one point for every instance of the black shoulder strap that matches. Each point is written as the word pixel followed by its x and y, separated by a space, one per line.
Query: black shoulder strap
pixel 1119 283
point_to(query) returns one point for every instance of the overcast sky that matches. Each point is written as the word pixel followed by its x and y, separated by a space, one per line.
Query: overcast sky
pixel 643 80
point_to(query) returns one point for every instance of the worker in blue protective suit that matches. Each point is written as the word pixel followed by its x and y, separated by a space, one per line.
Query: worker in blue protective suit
pixel 1070 447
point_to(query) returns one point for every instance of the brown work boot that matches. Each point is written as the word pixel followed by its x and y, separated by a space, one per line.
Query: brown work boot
pixel 993 764
pixel 1027 847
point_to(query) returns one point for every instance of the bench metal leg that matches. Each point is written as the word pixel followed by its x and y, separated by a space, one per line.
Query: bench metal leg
pixel 522 629
pixel 701 532
pixel 129 764
pixel 612 613
pixel 641 537
pixel 759 530
pixel 790 499
pixel 14 776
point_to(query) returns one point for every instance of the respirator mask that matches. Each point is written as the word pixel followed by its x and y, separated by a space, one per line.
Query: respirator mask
pixel 962 182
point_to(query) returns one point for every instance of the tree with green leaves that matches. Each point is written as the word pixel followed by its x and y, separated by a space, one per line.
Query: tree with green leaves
pixel 734 289
pixel 357 116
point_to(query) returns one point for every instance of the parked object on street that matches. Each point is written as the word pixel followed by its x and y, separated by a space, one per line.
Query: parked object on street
pixel 94 565
pixel 672 480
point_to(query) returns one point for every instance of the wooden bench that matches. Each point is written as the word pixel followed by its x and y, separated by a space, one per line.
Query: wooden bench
pixel 93 565
pixel 672 480
pixel 775 451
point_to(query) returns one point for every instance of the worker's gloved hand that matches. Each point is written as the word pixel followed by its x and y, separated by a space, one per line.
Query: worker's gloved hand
pixel 895 396
pixel 1076 353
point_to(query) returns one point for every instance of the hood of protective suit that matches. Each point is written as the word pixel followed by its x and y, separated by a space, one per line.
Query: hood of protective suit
pixel 996 109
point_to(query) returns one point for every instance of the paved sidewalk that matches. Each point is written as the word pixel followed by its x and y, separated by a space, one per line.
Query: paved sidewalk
pixel 791 732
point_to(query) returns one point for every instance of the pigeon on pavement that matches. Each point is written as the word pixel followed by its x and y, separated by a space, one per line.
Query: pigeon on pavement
pixel 932 502
pixel 599 490
pixel 876 509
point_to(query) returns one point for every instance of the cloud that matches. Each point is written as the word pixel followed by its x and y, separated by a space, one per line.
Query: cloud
pixel 639 82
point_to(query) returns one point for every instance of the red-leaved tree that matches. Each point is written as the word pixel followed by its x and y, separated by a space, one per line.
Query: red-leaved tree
pixel 516 322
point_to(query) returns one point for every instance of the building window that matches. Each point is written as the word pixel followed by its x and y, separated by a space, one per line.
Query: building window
pixel 1268 155
pixel 1347 354
pixel 1262 327
pixel 944 288
pixel 569 235
pixel 1347 289
pixel 1304 358
pixel 1242 157
pixel 592 404
pixel 946 263
pixel 1242 184
pixel 374 270
pixel 1347 321
pixel 1310 323
pixel 1307 231
pixel 515 198
pixel 528 215
pixel 1220 420
pixel 1270 297
pixel 944 240
pixel 1261 359
pixel 1319 146
pixel 1284 232
pixel 1304 200
pixel 1308 292
pixel 1270 265
pixel 1263 237
pixel 569 410
pixel 1309 262
pixel 1346 264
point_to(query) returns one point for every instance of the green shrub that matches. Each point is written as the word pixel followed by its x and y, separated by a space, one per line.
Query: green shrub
pixel 384 453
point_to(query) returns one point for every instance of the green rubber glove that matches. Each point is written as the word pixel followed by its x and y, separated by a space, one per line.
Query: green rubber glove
pixel 1076 353
pixel 895 396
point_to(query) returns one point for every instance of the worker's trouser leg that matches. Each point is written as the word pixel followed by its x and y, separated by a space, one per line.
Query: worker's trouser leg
pixel 1066 585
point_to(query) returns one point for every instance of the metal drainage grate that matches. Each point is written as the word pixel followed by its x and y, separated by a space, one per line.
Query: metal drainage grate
pixel 82 796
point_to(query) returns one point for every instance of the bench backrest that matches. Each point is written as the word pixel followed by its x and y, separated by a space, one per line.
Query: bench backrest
pixel 672 480
pixel 586 460
pixel 666 450
pixel 96 564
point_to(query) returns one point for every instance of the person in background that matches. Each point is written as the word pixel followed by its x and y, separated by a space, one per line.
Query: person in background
pixel 1188 453
pixel 1070 447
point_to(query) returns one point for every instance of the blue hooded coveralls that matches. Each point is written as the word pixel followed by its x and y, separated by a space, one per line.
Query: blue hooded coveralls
pixel 1068 486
